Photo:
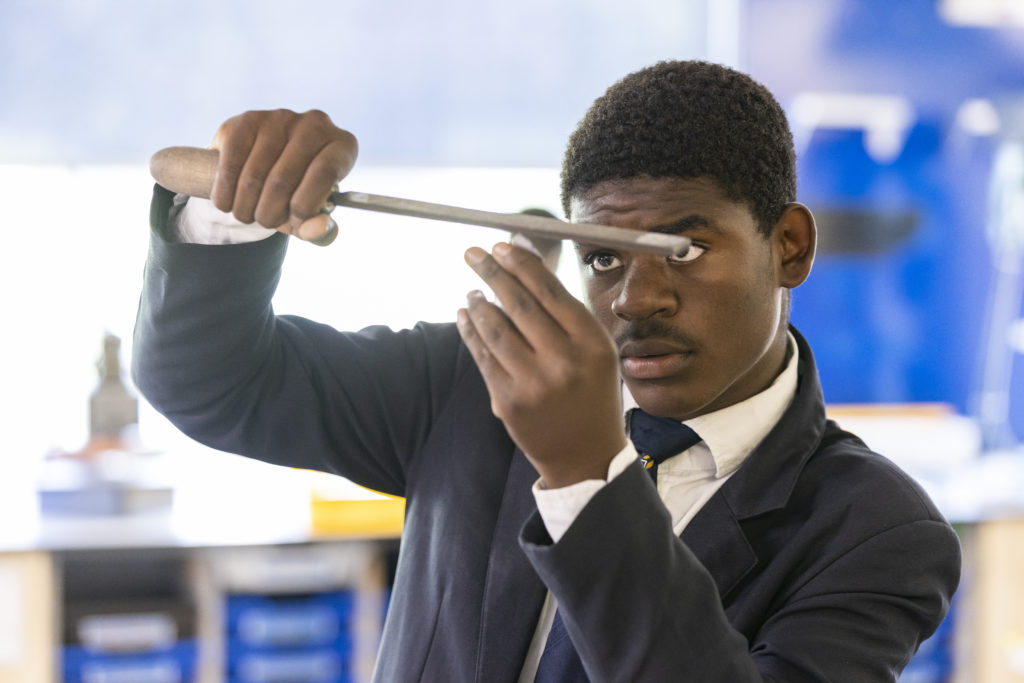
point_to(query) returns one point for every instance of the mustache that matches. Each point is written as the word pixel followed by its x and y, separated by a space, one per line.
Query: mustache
pixel 639 330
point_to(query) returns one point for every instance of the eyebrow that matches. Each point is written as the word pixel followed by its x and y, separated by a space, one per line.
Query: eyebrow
pixel 691 222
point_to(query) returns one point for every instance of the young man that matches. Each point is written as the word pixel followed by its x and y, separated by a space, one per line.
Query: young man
pixel 772 545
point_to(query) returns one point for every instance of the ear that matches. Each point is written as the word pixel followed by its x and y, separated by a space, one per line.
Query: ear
pixel 794 237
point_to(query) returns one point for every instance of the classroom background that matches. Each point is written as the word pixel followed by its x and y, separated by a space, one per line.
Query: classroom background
pixel 129 553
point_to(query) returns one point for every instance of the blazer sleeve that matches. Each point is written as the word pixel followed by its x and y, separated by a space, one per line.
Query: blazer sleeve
pixel 211 355
pixel 640 606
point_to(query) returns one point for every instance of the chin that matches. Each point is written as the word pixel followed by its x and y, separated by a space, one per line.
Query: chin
pixel 663 402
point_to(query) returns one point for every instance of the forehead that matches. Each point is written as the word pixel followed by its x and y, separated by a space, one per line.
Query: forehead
pixel 645 203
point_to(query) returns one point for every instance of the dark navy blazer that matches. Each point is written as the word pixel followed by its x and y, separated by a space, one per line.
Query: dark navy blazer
pixel 819 560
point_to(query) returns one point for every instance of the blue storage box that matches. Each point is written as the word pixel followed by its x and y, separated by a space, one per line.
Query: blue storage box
pixel 289 638
pixel 290 621
pixel 278 665
pixel 175 664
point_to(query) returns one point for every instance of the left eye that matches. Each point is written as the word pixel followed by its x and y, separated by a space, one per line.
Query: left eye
pixel 693 253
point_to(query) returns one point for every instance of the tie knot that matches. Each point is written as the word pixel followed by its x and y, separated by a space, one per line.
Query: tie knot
pixel 659 438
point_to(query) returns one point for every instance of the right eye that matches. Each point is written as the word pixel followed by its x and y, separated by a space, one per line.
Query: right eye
pixel 602 261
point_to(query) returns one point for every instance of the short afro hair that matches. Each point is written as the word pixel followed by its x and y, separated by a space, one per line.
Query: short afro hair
pixel 687 119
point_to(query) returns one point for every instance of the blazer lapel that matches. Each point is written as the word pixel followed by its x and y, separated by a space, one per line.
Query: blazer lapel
pixel 762 484
pixel 513 593
pixel 714 535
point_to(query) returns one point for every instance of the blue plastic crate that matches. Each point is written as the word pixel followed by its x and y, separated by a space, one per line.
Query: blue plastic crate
pixel 290 621
pixel 176 664
pixel 278 665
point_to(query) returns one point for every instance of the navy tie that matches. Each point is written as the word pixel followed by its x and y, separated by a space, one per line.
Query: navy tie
pixel 559 662
pixel 656 439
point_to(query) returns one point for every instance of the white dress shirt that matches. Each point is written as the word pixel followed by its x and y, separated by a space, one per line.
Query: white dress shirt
pixel 685 481
pixel 198 221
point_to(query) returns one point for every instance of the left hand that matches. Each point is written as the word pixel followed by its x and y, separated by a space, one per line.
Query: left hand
pixel 550 367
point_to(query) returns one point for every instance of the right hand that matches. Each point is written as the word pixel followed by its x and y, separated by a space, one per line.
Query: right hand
pixel 278 167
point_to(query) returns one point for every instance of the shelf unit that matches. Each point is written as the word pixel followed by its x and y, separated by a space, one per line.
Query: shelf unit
pixel 127 599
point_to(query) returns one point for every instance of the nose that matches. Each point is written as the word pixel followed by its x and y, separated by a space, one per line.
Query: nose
pixel 646 291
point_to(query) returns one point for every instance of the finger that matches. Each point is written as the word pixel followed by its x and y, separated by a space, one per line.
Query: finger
pixel 501 337
pixel 316 156
pixel 253 192
pixel 234 139
pixel 520 305
pixel 331 163
pixel 495 376
pixel 321 230
pixel 283 177
pixel 543 287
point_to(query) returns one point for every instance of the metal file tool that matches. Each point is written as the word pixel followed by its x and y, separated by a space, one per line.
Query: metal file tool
pixel 191 170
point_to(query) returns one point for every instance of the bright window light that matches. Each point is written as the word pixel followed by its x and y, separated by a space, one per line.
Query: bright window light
pixel 991 13
pixel 75 251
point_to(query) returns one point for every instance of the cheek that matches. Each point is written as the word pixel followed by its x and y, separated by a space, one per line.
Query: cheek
pixel 601 309
pixel 597 299
pixel 743 310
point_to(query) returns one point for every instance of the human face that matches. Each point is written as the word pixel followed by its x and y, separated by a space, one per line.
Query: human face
pixel 695 333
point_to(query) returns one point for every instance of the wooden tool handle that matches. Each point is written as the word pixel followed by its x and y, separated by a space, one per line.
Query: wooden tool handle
pixel 186 170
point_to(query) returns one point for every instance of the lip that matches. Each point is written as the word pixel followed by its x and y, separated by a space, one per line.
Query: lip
pixel 649 347
pixel 652 359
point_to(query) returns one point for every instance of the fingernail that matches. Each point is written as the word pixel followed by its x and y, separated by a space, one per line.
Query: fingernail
pixel 502 250
pixel 475 255
pixel 475 296
pixel 329 234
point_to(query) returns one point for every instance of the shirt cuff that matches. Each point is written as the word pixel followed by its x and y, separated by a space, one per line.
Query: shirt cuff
pixel 559 508
pixel 200 222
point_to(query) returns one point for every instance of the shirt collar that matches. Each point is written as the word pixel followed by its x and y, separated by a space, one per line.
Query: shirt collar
pixel 729 435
